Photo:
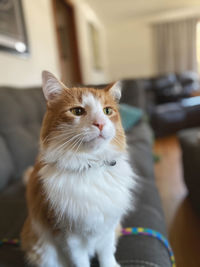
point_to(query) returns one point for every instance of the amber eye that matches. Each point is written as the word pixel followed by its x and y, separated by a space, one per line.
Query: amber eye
pixel 108 111
pixel 77 111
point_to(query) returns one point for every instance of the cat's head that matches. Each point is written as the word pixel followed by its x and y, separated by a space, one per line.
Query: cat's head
pixel 81 119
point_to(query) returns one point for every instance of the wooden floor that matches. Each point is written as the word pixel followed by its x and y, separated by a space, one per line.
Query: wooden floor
pixel 182 222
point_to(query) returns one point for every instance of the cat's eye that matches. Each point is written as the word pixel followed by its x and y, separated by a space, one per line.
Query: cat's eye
pixel 108 111
pixel 78 111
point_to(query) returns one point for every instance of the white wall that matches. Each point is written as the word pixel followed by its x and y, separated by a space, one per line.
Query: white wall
pixel 130 50
pixel 127 48
pixel 18 71
pixel 84 15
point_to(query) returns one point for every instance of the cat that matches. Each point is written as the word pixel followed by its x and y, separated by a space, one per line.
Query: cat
pixel 81 185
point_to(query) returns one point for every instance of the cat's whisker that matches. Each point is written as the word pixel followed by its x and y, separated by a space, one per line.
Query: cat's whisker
pixel 71 139
pixel 65 128
pixel 46 138
pixel 61 138
pixel 62 143
pixel 73 145
pixel 64 134
pixel 68 141
pixel 121 134
pixel 80 143
pixel 65 145
pixel 83 135
pixel 64 131
pixel 117 141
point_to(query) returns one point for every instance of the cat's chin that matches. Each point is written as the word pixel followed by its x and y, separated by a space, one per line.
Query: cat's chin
pixel 95 144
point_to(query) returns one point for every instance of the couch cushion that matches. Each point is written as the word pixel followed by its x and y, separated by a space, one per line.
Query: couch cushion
pixel 190 82
pixel 6 164
pixel 141 250
pixel 20 106
pixel 129 115
pixel 167 88
pixel 133 93
pixel 190 146
pixel 19 137
pixel 21 116
pixel 13 208
pixel 168 118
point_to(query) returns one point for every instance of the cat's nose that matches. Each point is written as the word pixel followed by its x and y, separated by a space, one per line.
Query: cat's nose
pixel 99 125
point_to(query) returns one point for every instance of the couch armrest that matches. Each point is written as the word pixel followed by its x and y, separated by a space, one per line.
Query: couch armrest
pixel 147 213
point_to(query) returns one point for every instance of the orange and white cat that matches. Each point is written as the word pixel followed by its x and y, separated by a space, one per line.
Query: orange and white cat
pixel 80 186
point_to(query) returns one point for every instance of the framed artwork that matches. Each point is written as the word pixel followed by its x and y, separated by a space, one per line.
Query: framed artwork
pixel 13 36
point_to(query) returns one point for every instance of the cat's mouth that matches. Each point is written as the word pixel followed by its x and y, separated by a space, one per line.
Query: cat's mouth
pixel 92 139
pixel 101 136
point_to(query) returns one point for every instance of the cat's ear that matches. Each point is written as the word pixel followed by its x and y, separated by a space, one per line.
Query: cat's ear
pixel 51 86
pixel 115 90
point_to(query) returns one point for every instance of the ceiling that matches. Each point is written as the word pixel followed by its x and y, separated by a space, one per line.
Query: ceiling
pixel 112 11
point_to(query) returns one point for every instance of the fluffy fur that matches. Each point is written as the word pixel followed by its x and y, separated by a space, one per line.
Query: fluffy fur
pixel 75 199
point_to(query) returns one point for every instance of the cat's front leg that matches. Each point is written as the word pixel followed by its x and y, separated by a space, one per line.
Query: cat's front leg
pixel 77 251
pixel 106 250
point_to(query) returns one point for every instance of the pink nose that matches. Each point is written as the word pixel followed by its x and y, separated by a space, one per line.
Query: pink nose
pixel 98 125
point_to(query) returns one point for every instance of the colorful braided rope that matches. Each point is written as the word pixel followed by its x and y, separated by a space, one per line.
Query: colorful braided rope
pixel 124 231
pixel 153 233
pixel 6 241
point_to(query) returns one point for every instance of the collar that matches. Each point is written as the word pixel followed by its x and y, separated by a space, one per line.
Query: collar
pixel 110 163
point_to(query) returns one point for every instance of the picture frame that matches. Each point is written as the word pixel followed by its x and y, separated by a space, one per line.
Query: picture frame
pixel 13 35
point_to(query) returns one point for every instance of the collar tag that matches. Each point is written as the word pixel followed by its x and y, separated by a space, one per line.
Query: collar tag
pixel 110 163
pixel 105 162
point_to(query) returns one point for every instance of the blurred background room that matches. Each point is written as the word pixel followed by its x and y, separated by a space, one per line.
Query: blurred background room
pixel 153 46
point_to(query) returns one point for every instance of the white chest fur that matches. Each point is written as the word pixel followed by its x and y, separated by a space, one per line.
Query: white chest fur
pixel 91 198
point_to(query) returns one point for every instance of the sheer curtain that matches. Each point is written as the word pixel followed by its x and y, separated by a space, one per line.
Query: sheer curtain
pixel 175 46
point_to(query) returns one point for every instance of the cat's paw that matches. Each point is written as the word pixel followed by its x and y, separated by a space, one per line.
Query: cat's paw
pixel 117 265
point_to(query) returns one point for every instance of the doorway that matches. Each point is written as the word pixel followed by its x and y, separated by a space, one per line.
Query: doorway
pixel 67 42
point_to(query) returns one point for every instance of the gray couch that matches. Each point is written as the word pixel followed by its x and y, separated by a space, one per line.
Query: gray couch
pixel 21 113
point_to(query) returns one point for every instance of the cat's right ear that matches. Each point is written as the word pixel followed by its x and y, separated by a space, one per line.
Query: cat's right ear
pixel 51 86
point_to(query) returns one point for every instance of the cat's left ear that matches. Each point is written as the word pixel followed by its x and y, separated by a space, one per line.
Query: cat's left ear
pixel 51 86
pixel 115 90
